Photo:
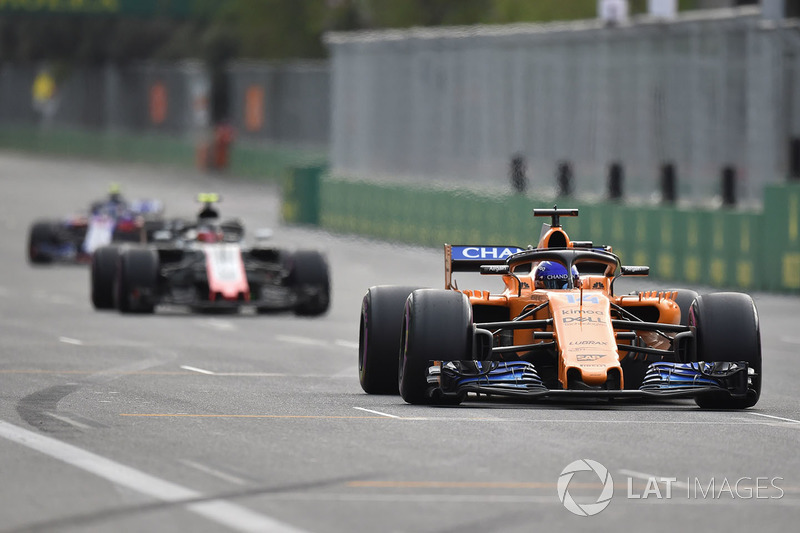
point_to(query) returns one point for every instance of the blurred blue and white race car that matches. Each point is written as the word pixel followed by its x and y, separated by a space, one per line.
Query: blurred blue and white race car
pixel 73 239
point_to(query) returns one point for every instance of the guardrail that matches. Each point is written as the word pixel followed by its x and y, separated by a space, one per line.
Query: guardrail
pixel 721 248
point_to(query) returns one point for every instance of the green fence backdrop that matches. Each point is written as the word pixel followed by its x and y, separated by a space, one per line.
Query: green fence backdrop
pixel 723 248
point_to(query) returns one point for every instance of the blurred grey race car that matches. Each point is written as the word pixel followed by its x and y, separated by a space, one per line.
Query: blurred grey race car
pixel 204 265
pixel 73 239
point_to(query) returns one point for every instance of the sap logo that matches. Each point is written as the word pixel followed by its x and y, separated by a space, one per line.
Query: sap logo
pixel 472 253
pixel 571 298
pixel 588 343
pixel 588 357
pixel 580 312
pixel 583 320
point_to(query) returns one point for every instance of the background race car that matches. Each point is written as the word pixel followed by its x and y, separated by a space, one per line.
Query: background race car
pixel 75 238
pixel 204 265
pixel 557 329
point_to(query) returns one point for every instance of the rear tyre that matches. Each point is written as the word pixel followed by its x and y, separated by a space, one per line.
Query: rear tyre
pixel 684 299
pixel 137 281
pixel 104 271
pixel 437 325
pixel 42 235
pixel 379 338
pixel 309 278
pixel 727 329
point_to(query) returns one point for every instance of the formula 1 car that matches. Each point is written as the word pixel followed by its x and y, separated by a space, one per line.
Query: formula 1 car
pixel 75 238
pixel 203 264
pixel 557 330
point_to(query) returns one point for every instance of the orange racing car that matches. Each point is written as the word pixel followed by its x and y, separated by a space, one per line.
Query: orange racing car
pixel 557 329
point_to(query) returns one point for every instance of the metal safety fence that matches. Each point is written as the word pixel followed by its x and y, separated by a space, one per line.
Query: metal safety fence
pixel 149 97
pixel 281 102
pixel 703 109
pixel 274 103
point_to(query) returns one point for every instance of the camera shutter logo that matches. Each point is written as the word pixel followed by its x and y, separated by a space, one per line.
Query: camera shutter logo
pixel 586 509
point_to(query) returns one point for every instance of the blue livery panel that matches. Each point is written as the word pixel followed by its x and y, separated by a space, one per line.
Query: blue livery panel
pixel 488 254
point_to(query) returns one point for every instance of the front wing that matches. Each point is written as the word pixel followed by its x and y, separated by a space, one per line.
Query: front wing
pixel 521 379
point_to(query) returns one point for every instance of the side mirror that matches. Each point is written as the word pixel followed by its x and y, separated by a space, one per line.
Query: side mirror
pixel 263 234
pixel 495 269
pixel 635 270
pixel 162 235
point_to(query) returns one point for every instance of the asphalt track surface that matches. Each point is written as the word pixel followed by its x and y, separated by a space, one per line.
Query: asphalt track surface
pixel 181 422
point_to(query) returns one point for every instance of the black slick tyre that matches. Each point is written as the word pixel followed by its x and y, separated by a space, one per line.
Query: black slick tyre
pixel 104 271
pixel 309 277
pixel 727 329
pixel 437 325
pixel 379 337
pixel 41 235
pixel 137 280
pixel 684 299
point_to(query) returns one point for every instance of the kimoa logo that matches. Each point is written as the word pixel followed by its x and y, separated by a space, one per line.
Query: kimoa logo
pixel 586 509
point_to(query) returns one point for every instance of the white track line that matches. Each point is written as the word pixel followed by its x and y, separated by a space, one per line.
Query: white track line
pixel 214 472
pixel 301 340
pixel 222 325
pixel 67 420
pixel 387 415
pixel 308 341
pixel 198 370
pixel 252 374
pixel 70 340
pixel 647 477
pixel 776 417
pixel 346 344
pixel 222 512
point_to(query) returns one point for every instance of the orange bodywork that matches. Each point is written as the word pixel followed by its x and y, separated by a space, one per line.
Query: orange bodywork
pixel 585 339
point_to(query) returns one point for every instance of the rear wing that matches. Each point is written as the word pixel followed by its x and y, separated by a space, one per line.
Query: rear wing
pixel 470 258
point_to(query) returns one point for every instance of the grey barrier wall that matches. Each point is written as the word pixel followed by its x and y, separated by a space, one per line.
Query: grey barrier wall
pixel 281 102
pixel 706 91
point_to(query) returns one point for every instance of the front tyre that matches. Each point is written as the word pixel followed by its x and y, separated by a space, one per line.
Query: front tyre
pixel 310 279
pixel 684 299
pixel 137 280
pixel 379 338
pixel 104 271
pixel 727 329
pixel 42 236
pixel 437 325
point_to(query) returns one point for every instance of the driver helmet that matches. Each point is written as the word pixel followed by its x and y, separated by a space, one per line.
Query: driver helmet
pixel 552 275
pixel 208 212
pixel 209 234
pixel 115 194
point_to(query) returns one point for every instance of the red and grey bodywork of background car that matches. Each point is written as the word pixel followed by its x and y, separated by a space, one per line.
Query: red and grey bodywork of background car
pixel 210 276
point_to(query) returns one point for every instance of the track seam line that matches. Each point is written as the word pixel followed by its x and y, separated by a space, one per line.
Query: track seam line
pixel 776 417
pixel 379 413
pixel 198 370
